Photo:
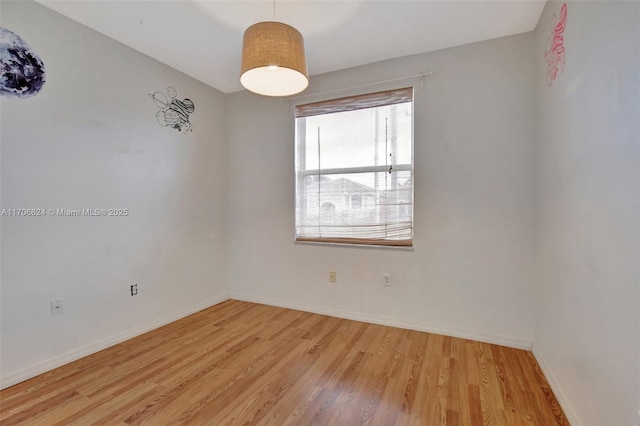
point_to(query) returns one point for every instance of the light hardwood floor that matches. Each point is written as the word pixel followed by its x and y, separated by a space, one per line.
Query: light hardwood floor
pixel 245 363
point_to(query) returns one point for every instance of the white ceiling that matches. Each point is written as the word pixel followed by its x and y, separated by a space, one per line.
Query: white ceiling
pixel 203 39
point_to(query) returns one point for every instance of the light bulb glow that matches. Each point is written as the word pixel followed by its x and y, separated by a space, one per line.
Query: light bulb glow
pixel 280 81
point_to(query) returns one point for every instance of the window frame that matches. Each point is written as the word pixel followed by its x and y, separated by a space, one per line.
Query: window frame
pixel 301 175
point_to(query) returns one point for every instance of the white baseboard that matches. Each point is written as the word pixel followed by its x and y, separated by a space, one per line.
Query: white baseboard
pixel 74 355
pixel 487 338
pixel 557 390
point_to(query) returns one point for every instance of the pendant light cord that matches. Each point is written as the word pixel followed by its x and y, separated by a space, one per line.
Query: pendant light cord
pixel 274 10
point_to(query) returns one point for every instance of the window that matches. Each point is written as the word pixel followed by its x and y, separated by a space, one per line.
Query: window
pixel 356 201
pixel 354 170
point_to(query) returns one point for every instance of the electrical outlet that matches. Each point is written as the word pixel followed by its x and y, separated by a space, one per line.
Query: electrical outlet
pixel 134 289
pixel 387 279
pixel 332 277
pixel 56 307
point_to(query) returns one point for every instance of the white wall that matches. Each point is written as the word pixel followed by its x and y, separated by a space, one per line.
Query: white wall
pixel 587 223
pixel 469 273
pixel 90 139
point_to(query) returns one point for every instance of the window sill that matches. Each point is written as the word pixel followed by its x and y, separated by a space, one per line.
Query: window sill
pixel 351 245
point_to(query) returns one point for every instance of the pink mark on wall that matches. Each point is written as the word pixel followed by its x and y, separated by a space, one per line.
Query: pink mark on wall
pixel 554 53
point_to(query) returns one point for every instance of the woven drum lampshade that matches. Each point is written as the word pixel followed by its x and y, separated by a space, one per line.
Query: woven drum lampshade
pixel 273 61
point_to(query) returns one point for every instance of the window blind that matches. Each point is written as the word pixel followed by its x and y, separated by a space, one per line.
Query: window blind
pixel 370 100
pixel 354 169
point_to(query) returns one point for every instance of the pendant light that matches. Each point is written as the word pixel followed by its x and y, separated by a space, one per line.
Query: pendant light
pixel 273 60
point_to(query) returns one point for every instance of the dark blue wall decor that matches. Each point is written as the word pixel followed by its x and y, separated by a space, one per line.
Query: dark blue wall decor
pixel 21 69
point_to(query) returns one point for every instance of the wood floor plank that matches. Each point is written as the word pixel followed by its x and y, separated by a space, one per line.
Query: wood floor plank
pixel 331 371
pixel 241 363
